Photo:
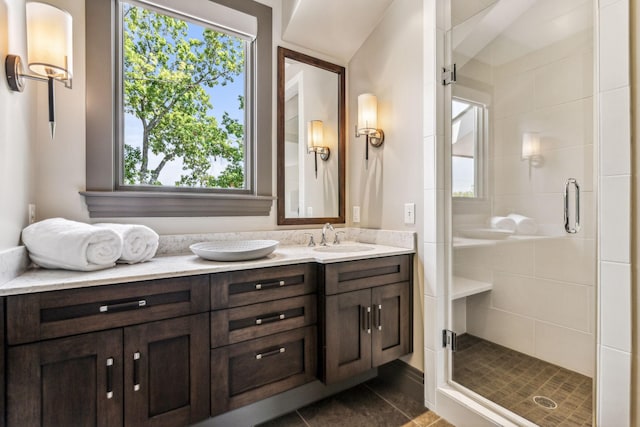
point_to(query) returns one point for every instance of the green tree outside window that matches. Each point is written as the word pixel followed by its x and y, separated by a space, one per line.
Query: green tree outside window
pixel 170 70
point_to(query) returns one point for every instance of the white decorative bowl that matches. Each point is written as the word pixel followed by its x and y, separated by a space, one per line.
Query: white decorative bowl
pixel 234 250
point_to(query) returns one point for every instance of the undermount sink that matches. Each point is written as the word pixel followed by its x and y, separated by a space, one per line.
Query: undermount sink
pixel 343 248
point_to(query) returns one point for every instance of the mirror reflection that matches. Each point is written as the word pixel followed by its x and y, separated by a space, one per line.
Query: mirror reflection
pixel 310 140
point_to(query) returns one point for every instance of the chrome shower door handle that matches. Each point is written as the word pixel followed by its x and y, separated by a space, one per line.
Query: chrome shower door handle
pixel 576 225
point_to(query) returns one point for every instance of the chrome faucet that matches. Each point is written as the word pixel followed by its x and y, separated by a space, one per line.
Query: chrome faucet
pixel 323 241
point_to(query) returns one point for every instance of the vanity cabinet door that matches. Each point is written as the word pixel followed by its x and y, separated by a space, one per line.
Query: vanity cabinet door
pixel 166 375
pixel 74 381
pixel 253 370
pixel 244 287
pixel 347 346
pixel 45 315
pixel 239 324
pixel 392 326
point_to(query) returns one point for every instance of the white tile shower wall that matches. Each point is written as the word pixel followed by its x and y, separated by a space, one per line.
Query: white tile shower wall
pixel 615 106
pixel 434 186
pixel 616 316
pixel 541 291
pixel 614 356
pixel 614 388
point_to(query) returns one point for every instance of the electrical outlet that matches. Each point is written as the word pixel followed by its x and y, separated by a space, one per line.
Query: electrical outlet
pixel 409 213
pixel 356 214
pixel 32 213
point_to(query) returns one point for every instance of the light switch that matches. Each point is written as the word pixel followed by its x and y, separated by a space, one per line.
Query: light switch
pixel 356 214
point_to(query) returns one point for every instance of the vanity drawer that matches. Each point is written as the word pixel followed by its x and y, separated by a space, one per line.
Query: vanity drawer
pixel 258 320
pixel 368 273
pixel 238 288
pixel 253 370
pixel 45 315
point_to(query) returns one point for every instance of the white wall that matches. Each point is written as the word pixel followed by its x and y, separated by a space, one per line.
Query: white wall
pixel 16 131
pixel 389 65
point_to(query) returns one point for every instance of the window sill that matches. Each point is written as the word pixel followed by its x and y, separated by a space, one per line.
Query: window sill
pixel 119 204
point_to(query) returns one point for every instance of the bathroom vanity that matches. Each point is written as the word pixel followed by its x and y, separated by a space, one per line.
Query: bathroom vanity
pixel 124 348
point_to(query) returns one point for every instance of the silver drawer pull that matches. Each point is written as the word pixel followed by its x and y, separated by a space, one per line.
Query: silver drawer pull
pixel 270 353
pixel 110 378
pixel 366 318
pixel 132 305
pixel 275 284
pixel 136 371
pixel 270 319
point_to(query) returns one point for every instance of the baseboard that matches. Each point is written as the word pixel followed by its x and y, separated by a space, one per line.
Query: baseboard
pixel 404 377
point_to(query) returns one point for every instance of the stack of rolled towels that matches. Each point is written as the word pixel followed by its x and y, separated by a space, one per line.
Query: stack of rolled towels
pixel 72 245
pixel 515 223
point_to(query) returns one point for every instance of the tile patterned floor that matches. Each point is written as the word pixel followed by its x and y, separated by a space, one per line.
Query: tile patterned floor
pixel 372 404
pixel 512 379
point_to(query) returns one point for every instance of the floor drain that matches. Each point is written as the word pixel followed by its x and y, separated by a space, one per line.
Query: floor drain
pixel 545 402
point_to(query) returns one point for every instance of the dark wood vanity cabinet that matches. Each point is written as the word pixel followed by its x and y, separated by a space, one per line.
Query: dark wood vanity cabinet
pixel 150 367
pixel 365 315
pixel 263 333
pixel 172 352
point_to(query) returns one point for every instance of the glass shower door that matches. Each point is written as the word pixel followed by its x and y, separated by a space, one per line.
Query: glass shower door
pixel 523 256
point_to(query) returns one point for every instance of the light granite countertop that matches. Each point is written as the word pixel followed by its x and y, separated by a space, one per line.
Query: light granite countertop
pixel 165 266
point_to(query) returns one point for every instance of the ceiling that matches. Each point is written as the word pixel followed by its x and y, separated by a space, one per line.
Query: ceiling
pixel 336 28
pixel 499 31
pixel 493 31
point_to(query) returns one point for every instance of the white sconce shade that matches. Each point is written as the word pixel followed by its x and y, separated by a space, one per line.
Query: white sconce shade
pixel 531 150
pixel 530 145
pixel 368 121
pixel 316 134
pixel 315 139
pixel 367 113
pixel 49 48
pixel 49 40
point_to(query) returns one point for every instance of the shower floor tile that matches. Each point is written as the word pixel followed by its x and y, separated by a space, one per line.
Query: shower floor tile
pixel 512 380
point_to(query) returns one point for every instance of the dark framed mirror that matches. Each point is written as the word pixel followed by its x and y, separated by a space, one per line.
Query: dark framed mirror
pixel 311 140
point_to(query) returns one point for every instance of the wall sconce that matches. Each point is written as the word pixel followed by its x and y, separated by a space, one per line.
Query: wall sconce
pixel 368 121
pixel 49 50
pixel 531 149
pixel 315 139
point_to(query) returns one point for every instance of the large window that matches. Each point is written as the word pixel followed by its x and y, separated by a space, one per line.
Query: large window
pixel 183 95
pixel 189 127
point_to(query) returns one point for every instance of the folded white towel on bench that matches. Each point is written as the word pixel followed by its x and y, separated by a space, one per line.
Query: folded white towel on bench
pixel 524 224
pixel 71 245
pixel 502 223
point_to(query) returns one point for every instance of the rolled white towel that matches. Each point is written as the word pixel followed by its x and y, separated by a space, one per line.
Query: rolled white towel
pixel 139 242
pixel 502 223
pixel 524 224
pixel 71 245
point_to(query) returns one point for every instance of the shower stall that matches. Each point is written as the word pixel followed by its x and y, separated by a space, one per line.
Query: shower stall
pixel 522 291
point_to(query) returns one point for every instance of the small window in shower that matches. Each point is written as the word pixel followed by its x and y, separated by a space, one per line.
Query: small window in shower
pixel 468 136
